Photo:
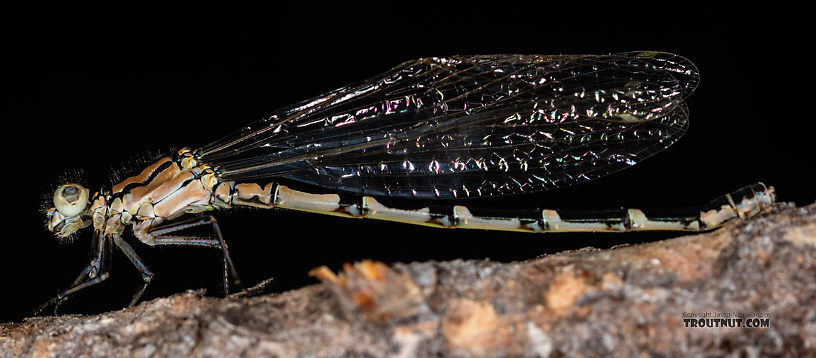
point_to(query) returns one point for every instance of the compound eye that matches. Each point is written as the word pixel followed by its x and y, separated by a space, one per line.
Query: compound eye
pixel 70 199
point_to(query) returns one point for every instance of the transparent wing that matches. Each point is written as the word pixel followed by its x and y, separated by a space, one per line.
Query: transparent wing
pixel 471 126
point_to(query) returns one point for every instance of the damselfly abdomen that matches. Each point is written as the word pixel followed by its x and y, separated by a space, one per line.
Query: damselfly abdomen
pixel 429 129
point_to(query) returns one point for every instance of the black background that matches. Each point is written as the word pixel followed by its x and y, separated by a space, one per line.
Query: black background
pixel 93 92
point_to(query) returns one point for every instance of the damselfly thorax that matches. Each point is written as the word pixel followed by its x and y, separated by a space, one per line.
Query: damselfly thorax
pixel 427 130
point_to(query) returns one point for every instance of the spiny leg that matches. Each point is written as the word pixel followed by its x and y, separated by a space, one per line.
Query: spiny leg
pixel 134 259
pixel 95 272
pixel 92 269
pixel 57 301
pixel 162 239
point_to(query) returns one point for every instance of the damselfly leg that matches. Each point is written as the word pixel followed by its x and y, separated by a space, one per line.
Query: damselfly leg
pixel 95 272
pixel 160 237
pixel 98 270
pixel 137 262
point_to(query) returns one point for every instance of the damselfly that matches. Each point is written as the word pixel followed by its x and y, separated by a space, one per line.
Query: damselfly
pixel 428 130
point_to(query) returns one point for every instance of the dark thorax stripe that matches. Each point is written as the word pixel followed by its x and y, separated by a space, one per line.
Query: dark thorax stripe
pixel 145 176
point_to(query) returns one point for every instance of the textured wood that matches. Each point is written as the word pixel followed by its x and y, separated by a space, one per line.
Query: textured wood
pixel 624 302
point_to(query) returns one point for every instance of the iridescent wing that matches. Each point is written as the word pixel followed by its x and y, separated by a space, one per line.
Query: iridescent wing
pixel 467 126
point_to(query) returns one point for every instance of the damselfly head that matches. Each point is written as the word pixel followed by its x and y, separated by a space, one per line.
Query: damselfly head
pixel 70 205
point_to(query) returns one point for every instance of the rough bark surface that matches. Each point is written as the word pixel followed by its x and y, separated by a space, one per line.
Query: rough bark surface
pixel 627 301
